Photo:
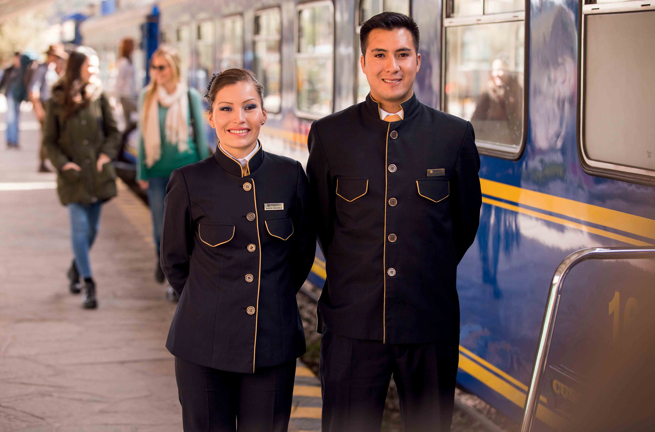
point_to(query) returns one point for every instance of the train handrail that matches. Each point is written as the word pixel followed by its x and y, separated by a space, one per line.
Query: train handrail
pixel 548 322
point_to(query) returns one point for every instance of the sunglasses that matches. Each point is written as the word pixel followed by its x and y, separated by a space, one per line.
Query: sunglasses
pixel 158 68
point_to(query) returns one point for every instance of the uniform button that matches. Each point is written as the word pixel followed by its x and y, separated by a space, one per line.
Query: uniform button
pixel 247 187
pixel 393 202
pixel 249 278
pixel 250 310
pixel 391 272
pixel 392 238
pixel 393 168
pixel 250 216
pixel 393 134
pixel 83 122
pixel 85 142
pixel 252 247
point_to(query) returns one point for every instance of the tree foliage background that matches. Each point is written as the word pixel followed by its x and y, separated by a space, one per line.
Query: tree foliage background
pixel 26 32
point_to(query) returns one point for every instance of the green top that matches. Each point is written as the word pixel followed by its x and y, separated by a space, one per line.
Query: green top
pixel 170 158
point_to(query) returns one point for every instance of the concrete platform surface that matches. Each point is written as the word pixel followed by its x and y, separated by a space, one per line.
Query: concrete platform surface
pixel 66 369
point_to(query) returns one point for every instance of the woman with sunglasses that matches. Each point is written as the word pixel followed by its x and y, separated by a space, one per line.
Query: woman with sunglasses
pixel 170 136
pixel 237 245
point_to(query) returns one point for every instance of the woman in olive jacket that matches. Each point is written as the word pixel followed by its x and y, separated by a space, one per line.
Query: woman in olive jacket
pixel 237 244
pixel 81 139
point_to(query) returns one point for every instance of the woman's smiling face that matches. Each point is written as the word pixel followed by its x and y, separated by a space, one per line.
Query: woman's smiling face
pixel 237 116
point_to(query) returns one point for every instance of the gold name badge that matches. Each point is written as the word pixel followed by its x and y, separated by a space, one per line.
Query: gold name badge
pixel 437 172
pixel 274 206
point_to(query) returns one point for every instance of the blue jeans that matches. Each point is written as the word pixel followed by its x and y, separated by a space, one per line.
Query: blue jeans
pixel 156 195
pixel 85 220
pixel 12 117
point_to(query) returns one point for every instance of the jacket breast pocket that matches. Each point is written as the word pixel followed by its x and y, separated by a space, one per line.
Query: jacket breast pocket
pixel 351 189
pixel 215 235
pixel 435 190
pixel 281 228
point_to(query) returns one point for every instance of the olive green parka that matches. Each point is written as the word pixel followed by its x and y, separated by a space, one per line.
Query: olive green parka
pixel 81 138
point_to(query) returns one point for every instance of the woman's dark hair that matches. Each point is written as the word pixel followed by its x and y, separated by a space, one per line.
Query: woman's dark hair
pixel 72 74
pixel 125 48
pixel 389 21
pixel 229 77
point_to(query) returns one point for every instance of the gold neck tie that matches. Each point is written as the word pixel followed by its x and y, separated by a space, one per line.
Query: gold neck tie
pixel 392 118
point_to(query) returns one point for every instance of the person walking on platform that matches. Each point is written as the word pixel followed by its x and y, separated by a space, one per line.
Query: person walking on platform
pixel 12 83
pixel 126 85
pixel 237 245
pixel 40 87
pixel 81 139
pixel 170 136
pixel 396 196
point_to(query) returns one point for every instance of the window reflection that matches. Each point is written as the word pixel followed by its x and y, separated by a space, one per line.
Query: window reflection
pixel 500 6
pixel 314 59
pixel 231 50
pixel 267 61
pixel 484 79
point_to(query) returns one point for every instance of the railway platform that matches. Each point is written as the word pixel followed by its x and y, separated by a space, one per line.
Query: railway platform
pixel 63 368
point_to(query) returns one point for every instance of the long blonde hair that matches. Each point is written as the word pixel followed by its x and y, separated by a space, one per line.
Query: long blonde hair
pixel 173 58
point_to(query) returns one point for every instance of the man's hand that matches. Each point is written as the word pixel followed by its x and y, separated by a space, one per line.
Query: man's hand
pixel 102 160
pixel 143 184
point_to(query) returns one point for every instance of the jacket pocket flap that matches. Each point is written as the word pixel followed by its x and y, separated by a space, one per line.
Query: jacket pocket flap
pixel 433 189
pixel 352 189
pixel 280 228
pixel 215 235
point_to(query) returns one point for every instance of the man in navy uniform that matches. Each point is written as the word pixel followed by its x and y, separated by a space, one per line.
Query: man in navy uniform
pixel 397 201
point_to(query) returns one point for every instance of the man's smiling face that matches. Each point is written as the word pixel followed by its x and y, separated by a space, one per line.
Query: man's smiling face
pixel 390 65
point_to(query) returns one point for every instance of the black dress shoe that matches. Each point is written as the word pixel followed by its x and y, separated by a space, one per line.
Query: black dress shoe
pixel 159 274
pixel 171 295
pixel 74 277
pixel 89 300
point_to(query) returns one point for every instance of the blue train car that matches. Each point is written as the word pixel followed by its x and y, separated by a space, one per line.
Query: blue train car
pixel 560 97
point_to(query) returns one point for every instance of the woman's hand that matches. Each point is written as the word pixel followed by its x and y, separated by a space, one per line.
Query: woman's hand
pixel 71 166
pixel 143 184
pixel 102 160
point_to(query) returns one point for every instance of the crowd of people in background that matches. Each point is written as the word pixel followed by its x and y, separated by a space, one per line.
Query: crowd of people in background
pixel 80 136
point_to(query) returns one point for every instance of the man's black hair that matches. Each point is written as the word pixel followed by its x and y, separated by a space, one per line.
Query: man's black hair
pixel 388 21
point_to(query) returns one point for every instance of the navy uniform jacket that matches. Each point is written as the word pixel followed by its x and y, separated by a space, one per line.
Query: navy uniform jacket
pixel 236 246
pixel 397 206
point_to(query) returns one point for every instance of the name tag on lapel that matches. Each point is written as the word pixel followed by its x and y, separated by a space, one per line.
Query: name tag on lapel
pixel 274 206
pixel 437 172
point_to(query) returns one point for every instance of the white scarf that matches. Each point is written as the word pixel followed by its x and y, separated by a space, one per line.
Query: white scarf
pixel 176 129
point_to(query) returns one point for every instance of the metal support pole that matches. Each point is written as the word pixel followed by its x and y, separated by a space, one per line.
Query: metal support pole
pixel 548 323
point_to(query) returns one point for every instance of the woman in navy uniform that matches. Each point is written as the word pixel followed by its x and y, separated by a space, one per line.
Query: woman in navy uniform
pixel 236 246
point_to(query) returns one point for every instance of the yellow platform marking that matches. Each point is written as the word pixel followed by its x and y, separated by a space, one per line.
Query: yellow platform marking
pixel 304 372
pixel 566 222
pixel 306 412
pixel 309 391
pixel 629 223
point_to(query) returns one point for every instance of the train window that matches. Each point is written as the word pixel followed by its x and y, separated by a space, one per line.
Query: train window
pixel 367 9
pixel 184 47
pixel 202 65
pixel 617 92
pixel 315 59
pixel 267 60
pixel 483 76
pixel 231 51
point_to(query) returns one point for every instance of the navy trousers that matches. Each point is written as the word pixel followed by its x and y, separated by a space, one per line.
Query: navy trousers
pixel 355 376
pixel 218 401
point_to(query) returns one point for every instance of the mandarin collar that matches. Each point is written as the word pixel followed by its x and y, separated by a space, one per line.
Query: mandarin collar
pixel 409 106
pixel 233 166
